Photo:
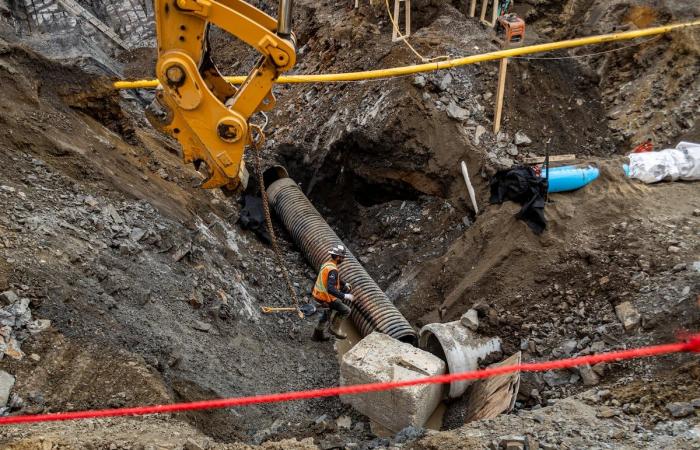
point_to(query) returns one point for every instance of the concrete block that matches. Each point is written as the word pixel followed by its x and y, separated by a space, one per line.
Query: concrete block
pixel 380 358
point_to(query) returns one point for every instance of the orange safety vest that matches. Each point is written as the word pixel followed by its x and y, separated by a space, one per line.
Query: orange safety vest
pixel 320 291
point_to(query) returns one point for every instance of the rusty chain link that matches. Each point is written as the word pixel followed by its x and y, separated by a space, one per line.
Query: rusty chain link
pixel 257 146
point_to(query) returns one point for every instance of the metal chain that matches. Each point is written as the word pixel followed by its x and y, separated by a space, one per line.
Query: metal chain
pixel 257 146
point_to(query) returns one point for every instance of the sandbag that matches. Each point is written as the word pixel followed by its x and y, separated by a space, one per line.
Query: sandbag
pixel 680 163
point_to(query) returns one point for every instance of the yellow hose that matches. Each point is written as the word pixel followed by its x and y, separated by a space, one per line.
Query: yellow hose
pixel 428 67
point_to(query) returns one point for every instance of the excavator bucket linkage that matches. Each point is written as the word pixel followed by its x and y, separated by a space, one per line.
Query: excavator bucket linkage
pixel 205 113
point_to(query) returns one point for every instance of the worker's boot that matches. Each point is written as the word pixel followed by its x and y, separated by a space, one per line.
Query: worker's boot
pixel 335 327
pixel 320 333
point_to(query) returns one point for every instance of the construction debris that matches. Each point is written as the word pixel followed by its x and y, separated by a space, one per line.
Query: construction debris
pixel 470 188
pixel 493 396
pixel 470 319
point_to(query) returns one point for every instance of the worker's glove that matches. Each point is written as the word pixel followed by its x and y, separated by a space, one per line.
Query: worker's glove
pixel 349 297
pixel 348 287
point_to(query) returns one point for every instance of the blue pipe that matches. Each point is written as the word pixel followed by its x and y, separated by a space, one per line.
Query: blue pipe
pixel 569 178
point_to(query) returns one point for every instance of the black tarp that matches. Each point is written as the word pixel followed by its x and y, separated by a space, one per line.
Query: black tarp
pixel 253 217
pixel 523 186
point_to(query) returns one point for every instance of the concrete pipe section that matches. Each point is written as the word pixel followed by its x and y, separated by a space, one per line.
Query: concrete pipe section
pixel 371 310
pixel 459 347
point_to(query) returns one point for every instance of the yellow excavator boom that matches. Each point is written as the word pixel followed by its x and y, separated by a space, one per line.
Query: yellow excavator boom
pixel 195 104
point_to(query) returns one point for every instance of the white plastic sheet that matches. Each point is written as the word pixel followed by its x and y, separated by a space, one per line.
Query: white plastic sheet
pixel 680 163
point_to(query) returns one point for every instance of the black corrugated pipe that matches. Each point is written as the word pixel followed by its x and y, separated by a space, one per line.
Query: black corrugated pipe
pixel 371 310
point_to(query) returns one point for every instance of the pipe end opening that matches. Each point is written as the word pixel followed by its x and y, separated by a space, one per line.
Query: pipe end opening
pixel 273 174
pixel 409 339
pixel 431 344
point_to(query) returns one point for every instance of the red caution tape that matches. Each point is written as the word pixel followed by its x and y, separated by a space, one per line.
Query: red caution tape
pixel 692 344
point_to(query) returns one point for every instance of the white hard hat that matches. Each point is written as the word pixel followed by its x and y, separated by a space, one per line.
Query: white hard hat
pixel 339 250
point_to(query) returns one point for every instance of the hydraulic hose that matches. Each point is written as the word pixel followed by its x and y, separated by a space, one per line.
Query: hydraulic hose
pixel 371 309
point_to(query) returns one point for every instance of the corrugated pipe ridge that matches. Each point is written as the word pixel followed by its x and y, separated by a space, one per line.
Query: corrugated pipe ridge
pixel 371 310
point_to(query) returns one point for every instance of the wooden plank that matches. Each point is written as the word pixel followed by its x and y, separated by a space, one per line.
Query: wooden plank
pixel 472 8
pixel 407 7
pixel 494 13
pixel 493 396
pixel 396 34
pixel 500 94
pixel 552 158
pixel 484 7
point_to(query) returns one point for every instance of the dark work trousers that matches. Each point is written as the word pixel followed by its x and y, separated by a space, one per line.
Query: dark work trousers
pixel 336 305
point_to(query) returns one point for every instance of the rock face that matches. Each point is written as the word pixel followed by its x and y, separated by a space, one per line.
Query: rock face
pixel 60 32
pixel 380 358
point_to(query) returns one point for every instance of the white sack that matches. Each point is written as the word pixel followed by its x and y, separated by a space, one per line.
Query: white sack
pixel 682 162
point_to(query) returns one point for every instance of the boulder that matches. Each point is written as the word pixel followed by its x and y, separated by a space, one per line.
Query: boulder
pixel 457 113
pixel 680 409
pixel 521 139
pixel 8 297
pixel 628 315
pixel 588 375
pixel 7 381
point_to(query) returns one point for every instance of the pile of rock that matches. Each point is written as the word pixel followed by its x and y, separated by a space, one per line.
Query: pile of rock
pixel 16 324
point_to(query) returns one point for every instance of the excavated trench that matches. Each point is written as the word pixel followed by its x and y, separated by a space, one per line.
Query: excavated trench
pixel 371 309
pixel 354 178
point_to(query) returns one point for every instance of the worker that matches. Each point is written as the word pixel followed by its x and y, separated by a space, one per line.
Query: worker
pixel 330 291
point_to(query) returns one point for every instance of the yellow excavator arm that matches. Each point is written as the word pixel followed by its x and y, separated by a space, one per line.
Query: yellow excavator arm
pixel 206 114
